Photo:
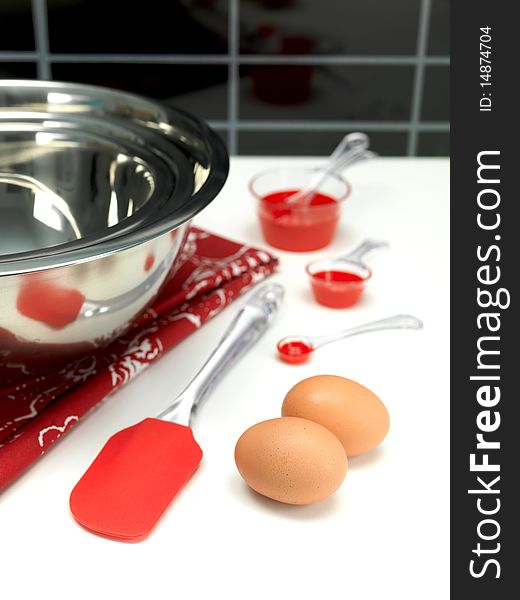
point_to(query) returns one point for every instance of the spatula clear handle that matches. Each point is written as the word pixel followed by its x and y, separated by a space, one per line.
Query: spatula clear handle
pixel 245 329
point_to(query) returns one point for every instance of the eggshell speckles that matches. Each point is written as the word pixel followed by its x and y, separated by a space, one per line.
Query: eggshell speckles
pixel 354 414
pixel 291 460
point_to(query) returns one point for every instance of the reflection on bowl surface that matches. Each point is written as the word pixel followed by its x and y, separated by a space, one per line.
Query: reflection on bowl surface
pixel 68 288
pixel 51 317
pixel 56 187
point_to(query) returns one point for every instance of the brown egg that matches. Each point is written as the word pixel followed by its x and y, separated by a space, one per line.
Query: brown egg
pixel 291 460
pixel 354 414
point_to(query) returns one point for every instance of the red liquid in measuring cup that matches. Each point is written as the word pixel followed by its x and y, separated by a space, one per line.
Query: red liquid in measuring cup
pixel 337 276
pixel 337 289
pixel 294 352
pixel 298 227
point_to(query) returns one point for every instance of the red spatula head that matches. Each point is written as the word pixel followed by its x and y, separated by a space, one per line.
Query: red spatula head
pixel 134 478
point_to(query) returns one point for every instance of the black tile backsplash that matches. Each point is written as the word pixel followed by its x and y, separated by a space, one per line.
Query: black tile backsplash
pixel 434 144
pixel 329 27
pixel 17 70
pixel 223 135
pixel 297 92
pixel 436 105
pixel 302 143
pixel 155 26
pixel 16 32
pixel 273 76
pixel 439 37
pixel 200 89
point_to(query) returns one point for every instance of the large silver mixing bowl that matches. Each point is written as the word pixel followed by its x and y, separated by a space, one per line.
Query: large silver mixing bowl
pixel 81 299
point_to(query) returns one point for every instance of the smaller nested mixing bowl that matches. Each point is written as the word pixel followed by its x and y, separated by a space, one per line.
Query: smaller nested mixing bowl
pixel 93 191
pixel 61 188
pixel 296 226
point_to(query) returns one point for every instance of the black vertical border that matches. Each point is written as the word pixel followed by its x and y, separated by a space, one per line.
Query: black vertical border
pixel 473 131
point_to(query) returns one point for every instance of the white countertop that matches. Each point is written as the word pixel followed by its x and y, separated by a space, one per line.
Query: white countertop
pixel 384 534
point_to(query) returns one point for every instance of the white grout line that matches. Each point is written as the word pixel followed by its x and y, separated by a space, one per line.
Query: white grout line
pixel 418 84
pixel 202 59
pixel 7 56
pixel 341 60
pixel 223 59
pixel 218 125
pixel 41 38
pixel 439 126
pixel 339 126
pixel 233 76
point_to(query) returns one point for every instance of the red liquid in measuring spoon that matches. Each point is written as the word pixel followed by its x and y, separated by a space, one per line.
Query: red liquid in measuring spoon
pixel 296 351
pixel 298 227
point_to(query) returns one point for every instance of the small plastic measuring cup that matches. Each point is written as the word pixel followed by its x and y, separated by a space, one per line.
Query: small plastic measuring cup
pixel 339 282
pixel 298 227
pixel 299 208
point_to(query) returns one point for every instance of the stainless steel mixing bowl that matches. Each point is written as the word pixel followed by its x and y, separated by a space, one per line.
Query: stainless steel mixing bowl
pixel 76 301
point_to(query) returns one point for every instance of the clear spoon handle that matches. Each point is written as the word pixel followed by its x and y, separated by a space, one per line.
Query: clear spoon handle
pixel 395 322
pixel 355 141
pixel 353 147
pixel 359 251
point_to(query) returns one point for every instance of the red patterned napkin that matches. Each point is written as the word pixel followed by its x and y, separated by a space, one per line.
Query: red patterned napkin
pixel 211 273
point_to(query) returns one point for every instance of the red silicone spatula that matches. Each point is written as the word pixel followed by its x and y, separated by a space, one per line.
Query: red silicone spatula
pixel 139 471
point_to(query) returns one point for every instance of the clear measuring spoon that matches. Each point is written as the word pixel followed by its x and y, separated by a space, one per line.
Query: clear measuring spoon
pixel 339 282
pixel 352 148
pixel 297 349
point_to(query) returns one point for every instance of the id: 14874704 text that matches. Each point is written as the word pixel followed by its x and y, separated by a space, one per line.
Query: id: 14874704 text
pixel 485 103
